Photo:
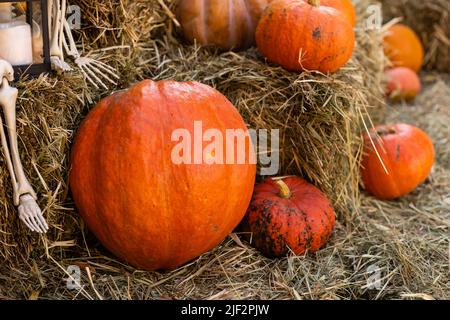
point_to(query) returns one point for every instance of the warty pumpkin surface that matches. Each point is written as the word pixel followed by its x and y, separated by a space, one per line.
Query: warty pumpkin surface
pixel 305 35
pixel 227 24
pixel 407 153
pixel 288 214
pixel 145 209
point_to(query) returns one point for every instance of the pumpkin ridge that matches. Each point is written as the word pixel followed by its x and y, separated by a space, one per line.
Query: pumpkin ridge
pixel 231 26
pixel 250 25
pixel 98 176
pixel 204 18
pixel 169 217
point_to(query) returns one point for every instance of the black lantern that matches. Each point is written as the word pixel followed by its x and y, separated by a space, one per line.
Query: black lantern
pixel 24 36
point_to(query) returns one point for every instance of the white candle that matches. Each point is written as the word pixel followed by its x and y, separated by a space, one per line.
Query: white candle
pixel 16 44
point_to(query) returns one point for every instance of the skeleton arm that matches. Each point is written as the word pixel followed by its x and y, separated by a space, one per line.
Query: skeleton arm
pixel 23 193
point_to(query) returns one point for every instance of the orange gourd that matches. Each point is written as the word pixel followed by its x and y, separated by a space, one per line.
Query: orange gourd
pixel 227 24
pixel 147 209
pixel 305 35
pixel 403 47
pixel 402 84
pixel 407 154
pixel 288 214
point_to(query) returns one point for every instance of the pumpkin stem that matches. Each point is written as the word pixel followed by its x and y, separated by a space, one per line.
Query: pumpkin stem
pixel 284 192
pixel 315 3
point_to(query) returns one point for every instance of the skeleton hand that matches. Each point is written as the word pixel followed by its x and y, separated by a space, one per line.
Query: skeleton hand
pixel 31 215
pixel 94 71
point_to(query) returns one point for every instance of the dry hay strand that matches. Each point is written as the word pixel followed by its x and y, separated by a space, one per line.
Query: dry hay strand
pixel 431 20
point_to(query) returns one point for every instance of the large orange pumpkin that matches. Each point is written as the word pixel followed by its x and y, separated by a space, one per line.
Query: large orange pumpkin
pixel 143 204
pixel 304 35
pixel 227 24
pixel 402 84
pixel 407 154
pixel 403 47
pixel 288 214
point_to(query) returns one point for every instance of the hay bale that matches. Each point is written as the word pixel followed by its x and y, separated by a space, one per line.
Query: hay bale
pixel 371 56
pixel 48 112
pixel 320 117
pixel 431 20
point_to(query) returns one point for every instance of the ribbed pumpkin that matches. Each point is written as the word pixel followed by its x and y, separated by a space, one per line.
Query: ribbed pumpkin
pixel 305 35
pixel 143 207
pixel 288 214
pixel 407 154
pixel 403 47
pixel 227 24
pixel 402 84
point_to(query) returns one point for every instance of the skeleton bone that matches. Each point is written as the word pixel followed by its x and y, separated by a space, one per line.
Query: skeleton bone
pixel 56 14
pixel 95 72
pixel 23 194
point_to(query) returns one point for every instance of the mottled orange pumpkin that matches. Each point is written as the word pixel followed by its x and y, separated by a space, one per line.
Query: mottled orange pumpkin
pixel 147 208
pixel 402 84
pixel 227 24
pixel 407 154
pixel 304 35
pixel 288 214
pixel 403 47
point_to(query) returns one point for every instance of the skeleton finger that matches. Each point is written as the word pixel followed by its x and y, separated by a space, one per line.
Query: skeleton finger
pixel 86 76
pixel 31 219
pixel 27 221
pixel 37 224
pixel 36 213
pixel 112 71
pixel 43 222
pixel 98 71
pixel 93 75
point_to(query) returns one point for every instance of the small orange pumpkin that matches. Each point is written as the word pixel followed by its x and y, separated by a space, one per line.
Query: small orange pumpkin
pixel 403 84
pixel 288 214
pixel 305 35
pixel 148 210
pixel 403 47
pixel 407 154
pixel 227 24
